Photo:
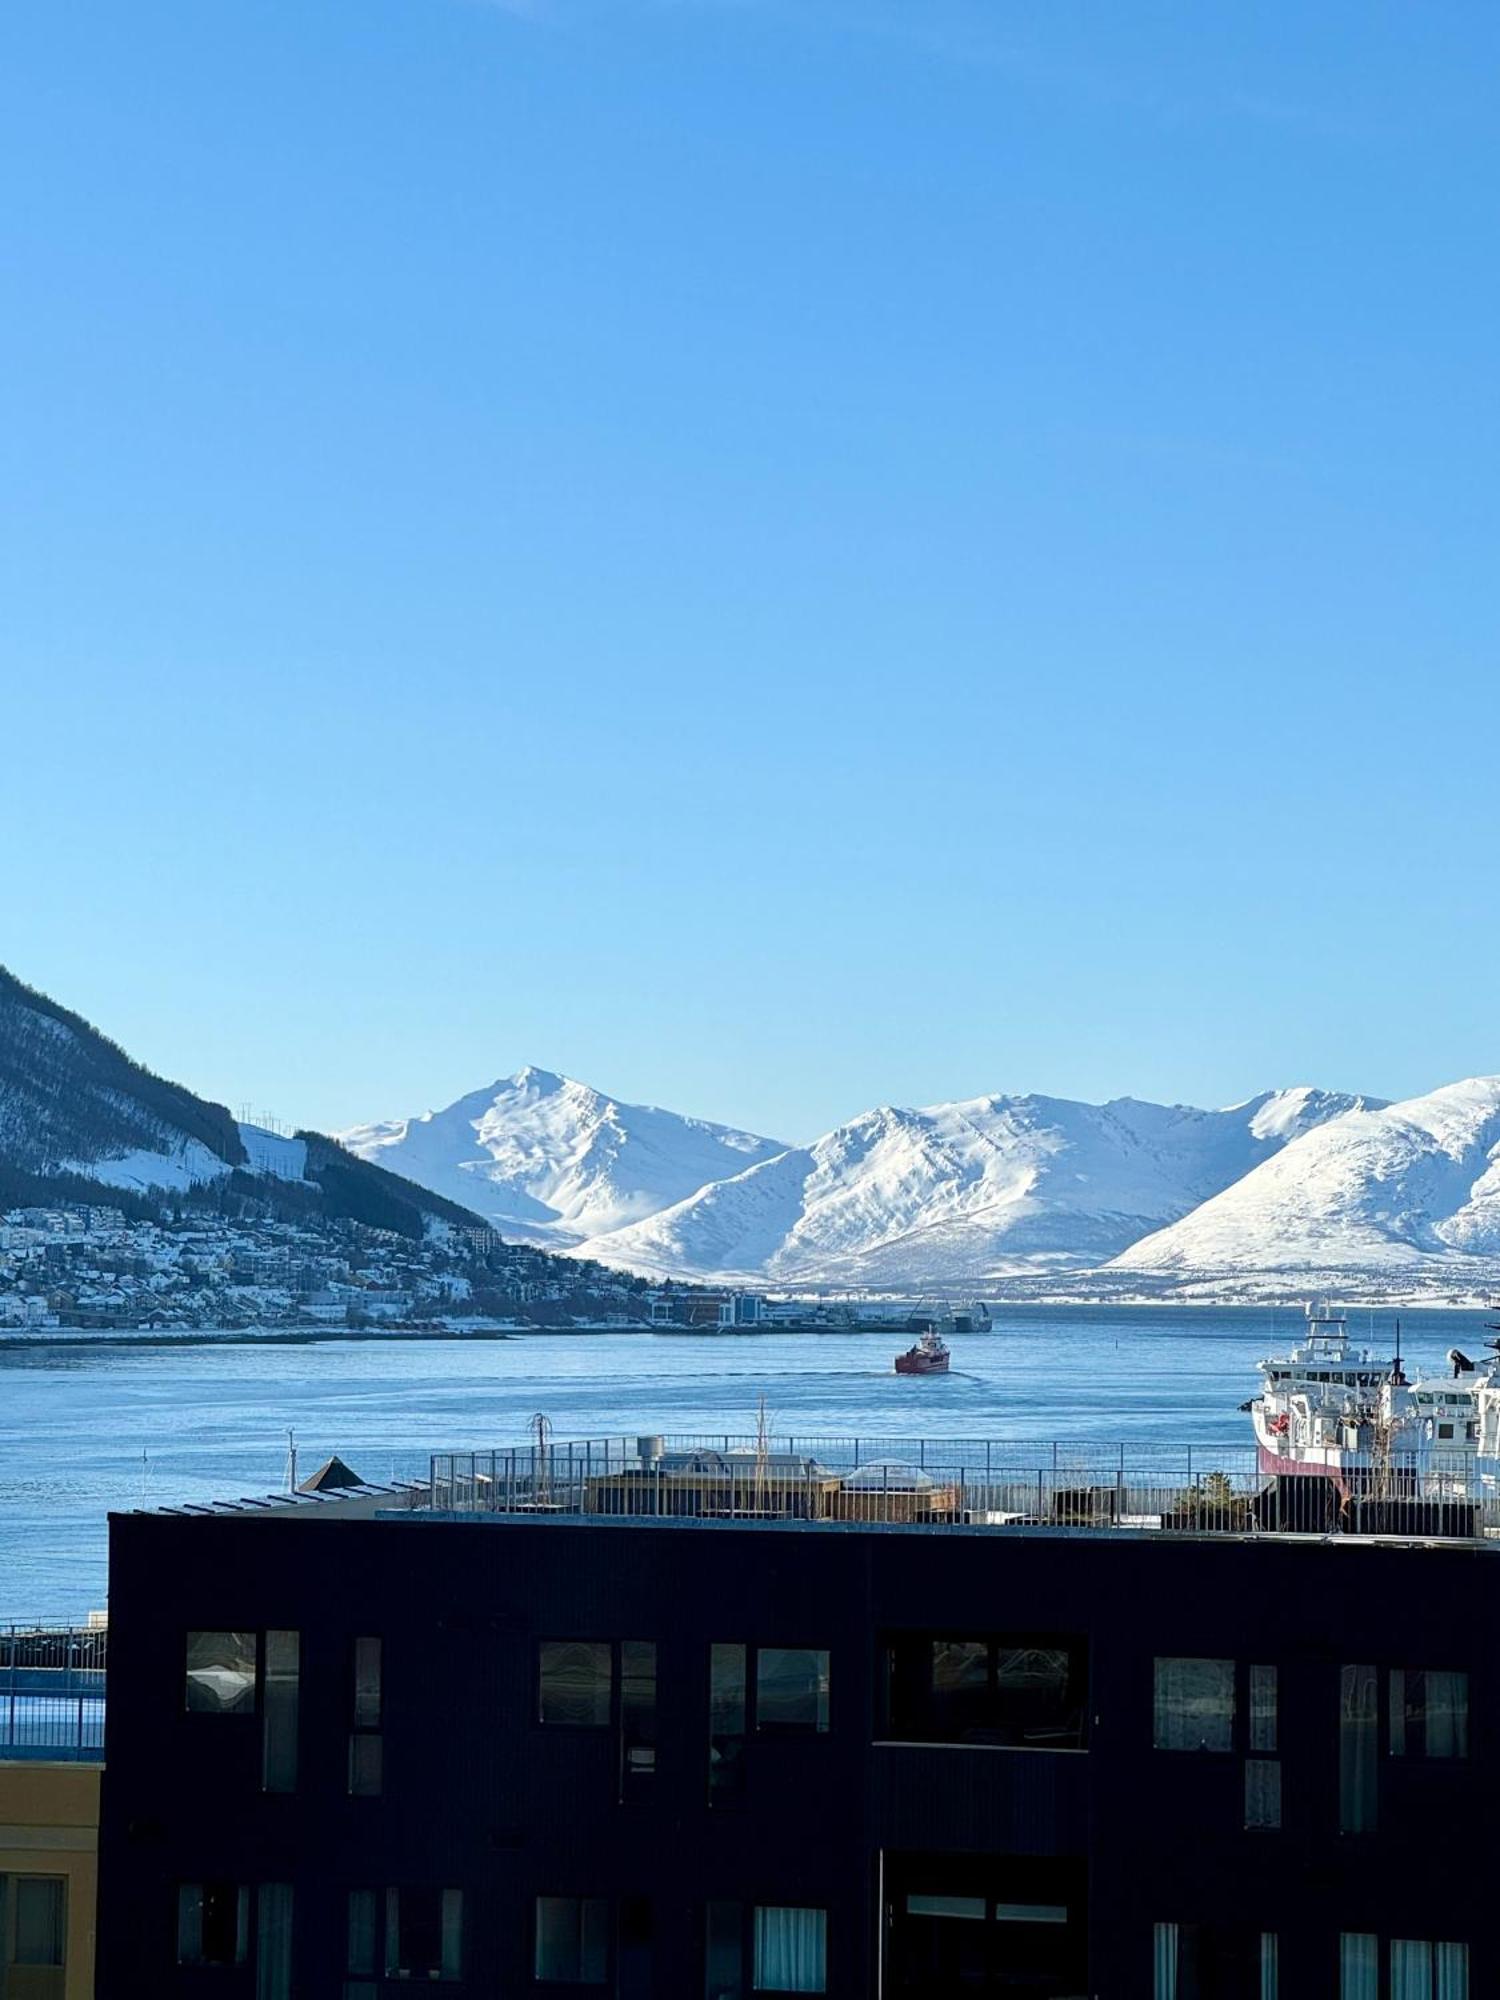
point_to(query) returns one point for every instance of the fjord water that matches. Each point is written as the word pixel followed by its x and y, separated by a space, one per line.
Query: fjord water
pixel 211 1420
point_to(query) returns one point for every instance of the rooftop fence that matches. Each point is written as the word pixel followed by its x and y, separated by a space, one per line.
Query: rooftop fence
pixel 968 1482
pixel 52 1693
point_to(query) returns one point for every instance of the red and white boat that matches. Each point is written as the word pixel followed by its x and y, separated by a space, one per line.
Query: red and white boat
pixel 927 1355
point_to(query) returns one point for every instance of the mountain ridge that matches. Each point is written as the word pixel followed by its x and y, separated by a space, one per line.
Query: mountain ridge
pixel 982 1188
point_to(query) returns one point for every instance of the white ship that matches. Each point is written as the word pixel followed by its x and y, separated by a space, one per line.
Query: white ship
pixel 1327 1409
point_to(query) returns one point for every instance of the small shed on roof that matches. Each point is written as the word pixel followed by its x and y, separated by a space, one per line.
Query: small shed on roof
pixel 330 1475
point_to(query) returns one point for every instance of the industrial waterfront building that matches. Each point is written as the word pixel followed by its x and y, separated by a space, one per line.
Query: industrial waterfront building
pixel 713 1722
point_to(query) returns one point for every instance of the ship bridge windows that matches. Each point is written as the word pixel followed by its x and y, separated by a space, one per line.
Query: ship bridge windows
pixel 1020 1691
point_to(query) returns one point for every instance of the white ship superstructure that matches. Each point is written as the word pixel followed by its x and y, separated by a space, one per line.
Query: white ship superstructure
pixel 1329 1409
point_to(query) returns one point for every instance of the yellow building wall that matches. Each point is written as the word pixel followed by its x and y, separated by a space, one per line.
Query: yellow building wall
pixel 49 1825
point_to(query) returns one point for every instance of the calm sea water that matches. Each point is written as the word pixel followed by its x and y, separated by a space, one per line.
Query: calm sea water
pixel 211 1421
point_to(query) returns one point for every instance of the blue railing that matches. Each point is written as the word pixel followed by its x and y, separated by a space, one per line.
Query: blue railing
pixel 52 1694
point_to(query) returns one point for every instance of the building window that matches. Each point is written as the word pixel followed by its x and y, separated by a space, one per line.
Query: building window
pixel 572 1940
pixel 213 1923
pixel 576 1682
pixel 367 1708
pixel 957 1923
pixel 1424 1971
pixel 279 1733
pixel 424 1933
pixel 637 1716
pixel 361 1955
pixel 726 1721
pixel 1022 1693
pixel 1359 1743
pixel 1429 1713
pixel 33 1935
pixel 791 1691
pixel 1201 1961
pixel 1194 1706
pixel 221 1673
pixel 790 1950
pixel 1418 1969
pixel 273 1941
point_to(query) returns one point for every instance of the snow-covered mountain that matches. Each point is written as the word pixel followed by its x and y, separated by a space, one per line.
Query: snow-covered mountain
pixel 556 1162
pixel 1399 1189
pixel 964 1192
pixel 951 1193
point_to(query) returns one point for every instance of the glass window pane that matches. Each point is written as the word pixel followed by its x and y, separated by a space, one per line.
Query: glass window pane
pixel 1358 1751
pixel 1263 1708
pixel 422 1933
pixel 39 1926
pixel 220 1678
pixel 1262 1792
pixel 1194 1707
pixel 366 1766
pixel 637 1715
pixel 724 1952
pixel 791 1950
pixel 572 1940
pixel 1164 1962
pixel 213 1923
pixel 1031 1913
pixel 960 1686
pixel 1450 1972
pixel 361 1946
pixel 279 1749
pixel 273 1941
pixel 1270 1967
pixel 966 1909
pixel 367 1688
pixel 726 1711
pixel 1359 1966
pixel 791 1689
pixel 577 1681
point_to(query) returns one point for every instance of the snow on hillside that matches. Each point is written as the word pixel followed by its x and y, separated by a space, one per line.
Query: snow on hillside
pixel 554 1161
pixel 185 1163
pixel 962 1192
pixel 1401 1188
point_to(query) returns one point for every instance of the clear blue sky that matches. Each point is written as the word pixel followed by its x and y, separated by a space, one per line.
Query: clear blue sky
pixel 775 556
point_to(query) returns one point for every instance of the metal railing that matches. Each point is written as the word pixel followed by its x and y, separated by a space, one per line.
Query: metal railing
pixel 1212 1489
pixel 52 1693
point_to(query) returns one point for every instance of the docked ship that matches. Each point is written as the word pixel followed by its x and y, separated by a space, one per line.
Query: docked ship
pixel 927 1355
pixel 1330 1410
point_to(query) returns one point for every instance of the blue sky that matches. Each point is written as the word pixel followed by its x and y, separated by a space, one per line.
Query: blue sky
pixel 773 556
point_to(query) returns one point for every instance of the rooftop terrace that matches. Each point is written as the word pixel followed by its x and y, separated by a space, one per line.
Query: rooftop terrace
pixel 965 1482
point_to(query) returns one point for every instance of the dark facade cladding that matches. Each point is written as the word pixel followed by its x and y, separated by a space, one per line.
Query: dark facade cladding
pixel 537 1757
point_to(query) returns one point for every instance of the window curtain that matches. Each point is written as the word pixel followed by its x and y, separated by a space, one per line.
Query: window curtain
pixel 273 1941
pixel 1270 1956
pixel 791 1949
pixel 1447 1707
pixel 1359 1722
pixel 1194 1705
pixel 1411 1969
pixel 1451 1967
pixel 1359 1966
pixel 1164 1961
pixel 452 1947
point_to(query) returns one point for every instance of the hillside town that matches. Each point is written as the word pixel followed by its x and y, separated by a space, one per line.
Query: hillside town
pixel 93 1268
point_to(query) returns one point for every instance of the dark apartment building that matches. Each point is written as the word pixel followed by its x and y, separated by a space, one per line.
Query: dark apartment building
pixel 702 1726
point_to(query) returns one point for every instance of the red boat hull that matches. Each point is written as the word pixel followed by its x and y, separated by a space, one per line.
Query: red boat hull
pixel 920 1364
